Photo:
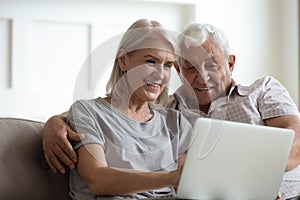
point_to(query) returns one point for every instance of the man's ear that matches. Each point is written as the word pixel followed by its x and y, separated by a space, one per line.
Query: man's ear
pixel 231 62
pixel 121 59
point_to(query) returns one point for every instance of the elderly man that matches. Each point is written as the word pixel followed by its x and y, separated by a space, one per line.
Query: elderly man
pixel 205 66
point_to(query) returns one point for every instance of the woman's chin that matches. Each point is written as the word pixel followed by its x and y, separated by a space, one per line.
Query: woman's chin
pixel 152 97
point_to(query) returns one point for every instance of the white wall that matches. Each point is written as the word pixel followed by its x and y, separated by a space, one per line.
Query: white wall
pixel 263 35
pixel 290 47
pixel 46 43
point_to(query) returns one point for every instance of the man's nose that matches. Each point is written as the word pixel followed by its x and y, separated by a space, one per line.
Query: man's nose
pixel 202 75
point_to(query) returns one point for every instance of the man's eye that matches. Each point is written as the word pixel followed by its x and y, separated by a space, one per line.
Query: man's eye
pixel 168 65
pixel 150 62
pixel 190 69
pixel 211 67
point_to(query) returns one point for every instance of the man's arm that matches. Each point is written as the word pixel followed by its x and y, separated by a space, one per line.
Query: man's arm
pixel 58 150
pixel 290 122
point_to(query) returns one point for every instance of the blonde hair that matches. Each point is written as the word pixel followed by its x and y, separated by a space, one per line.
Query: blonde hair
pixel 134 38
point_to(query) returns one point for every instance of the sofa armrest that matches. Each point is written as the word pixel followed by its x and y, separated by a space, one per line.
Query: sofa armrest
pixel 24 172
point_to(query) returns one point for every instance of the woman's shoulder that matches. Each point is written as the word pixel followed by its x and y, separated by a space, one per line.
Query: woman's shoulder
pixel 89 102
pixel 88 105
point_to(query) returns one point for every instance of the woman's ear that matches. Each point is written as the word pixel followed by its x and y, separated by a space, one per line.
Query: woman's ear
pixel 121 59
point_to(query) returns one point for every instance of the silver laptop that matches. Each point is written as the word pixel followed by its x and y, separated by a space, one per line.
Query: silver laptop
pixel 234 161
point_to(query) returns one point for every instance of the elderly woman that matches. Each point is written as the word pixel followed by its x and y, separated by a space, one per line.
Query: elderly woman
pixel 131 145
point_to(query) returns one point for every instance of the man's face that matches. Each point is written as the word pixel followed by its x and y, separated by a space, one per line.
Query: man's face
pixel 206 70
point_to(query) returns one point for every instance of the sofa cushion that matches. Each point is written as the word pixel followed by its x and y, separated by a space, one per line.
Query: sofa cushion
pixel 24 172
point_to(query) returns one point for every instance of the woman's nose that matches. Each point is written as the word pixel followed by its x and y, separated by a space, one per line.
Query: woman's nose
pixel 159 71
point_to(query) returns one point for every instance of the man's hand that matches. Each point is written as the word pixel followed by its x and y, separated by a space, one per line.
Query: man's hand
pixel 57 148
pixel 278 196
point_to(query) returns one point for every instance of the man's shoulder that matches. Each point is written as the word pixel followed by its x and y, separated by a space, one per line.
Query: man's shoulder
pixel 265 80
pixel 267 83
pixel 259 85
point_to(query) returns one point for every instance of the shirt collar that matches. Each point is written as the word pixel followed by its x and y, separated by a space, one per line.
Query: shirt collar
pixel 238 89
pixel 235 89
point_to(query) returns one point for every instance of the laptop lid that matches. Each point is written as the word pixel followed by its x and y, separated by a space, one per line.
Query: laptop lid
pixel 234 161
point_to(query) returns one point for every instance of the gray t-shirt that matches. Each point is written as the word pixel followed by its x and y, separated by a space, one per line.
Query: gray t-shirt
pixel 148 146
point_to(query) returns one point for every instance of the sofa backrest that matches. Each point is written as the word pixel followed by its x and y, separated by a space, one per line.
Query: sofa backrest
pixel 24 173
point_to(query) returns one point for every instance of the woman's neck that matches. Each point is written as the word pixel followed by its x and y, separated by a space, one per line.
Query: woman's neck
pixel 134 109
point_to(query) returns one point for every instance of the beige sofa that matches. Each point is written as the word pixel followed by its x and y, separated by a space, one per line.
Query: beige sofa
pixel 24 172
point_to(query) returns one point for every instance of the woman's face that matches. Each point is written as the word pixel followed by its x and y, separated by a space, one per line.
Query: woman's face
pixel 148 72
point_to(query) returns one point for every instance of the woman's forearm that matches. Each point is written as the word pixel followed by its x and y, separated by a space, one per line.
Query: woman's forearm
pixel 104 180
pixel 109 181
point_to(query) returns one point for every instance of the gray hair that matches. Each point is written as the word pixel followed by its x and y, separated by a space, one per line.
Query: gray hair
pixel 135 38
pixel 196 34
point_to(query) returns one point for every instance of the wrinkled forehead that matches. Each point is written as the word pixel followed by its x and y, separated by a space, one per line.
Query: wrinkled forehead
pixel 194 53
pixel 204 52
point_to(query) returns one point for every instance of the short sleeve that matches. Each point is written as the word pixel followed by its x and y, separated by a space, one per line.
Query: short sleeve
pixel 275 100
pixel 82 119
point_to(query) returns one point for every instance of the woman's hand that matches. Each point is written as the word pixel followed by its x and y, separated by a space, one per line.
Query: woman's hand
pixel 57 148
pixel 177 173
